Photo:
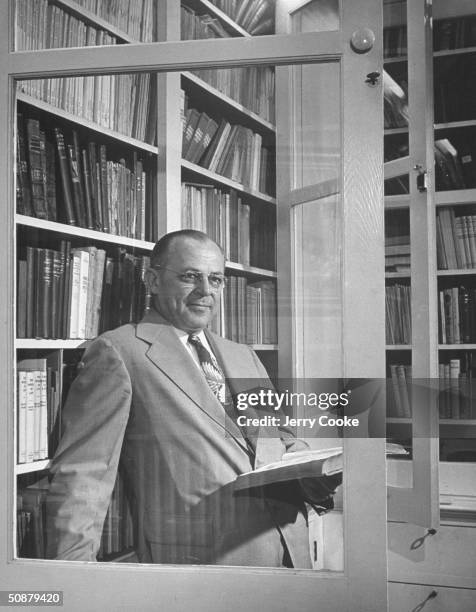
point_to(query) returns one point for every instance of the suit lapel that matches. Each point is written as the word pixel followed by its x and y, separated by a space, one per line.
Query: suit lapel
pixel 167 353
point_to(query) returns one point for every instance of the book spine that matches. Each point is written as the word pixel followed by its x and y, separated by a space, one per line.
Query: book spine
pixel 65 178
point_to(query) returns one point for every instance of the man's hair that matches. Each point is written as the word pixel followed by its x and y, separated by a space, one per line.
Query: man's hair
pixel 162 246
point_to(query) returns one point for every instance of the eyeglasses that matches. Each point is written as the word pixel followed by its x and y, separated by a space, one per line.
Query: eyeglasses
pixel 216 281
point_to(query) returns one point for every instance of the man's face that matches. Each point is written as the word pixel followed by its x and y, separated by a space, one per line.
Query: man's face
pixel 189 307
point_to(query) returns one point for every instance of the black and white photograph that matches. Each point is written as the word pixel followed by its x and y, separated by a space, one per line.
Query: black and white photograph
pixel 238 306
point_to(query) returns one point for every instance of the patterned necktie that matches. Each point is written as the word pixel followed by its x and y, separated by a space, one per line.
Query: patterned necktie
pixel 213 374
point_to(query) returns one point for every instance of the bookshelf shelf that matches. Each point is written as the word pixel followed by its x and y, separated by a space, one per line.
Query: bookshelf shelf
pixel 194 169
pixel 466 272
pixel 40 343
pixel 455 197
pixel 397 201
pixel 457 347
pixel 190 82
pixel 398 347
pixel 395 131
pixel 395 59
pixel 35 466
pixel 79 11
pixel 455 125
pixel 397 275
pixel 72 230
pixel 230 265
pixel 227 21
pixel 449 52
pixel 85 123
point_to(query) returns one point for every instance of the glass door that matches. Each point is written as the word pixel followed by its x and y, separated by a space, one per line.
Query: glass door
pixel 327 281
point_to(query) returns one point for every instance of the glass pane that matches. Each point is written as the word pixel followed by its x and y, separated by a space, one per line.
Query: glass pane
pixel 316 16
pixel 86 23
pixel 120 455
pixel 454 40
pixel 222 18
pixel 397 241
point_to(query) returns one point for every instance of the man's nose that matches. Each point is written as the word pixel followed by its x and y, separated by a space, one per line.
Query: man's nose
pixel 203 285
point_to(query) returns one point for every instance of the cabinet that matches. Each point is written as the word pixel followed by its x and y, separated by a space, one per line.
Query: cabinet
pixel 430 200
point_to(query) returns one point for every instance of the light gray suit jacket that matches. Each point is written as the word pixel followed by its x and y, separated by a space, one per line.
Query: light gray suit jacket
pixel 139 399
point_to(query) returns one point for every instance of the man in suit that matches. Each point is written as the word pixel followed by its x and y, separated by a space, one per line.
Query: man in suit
pixel 156 398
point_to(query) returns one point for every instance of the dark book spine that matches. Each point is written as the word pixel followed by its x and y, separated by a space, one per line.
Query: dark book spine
pixel 24 205
pixel 66 289
pixel 37 179
pixel 51 180
pixel 95 187
pixel 87 190
pixel 30 291
pixel 21 298
pixel 61 289
pixel 104 189
pixel 65 178
pixel 76 185
pixel 55 308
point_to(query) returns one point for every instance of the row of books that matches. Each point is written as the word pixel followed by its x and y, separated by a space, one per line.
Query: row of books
pixel 455 240
pixel 397 314
pixel 42 25
pixel 221 215
pixel 78 292
pixel 455 88
pixel 231 150
pixel 251 86
pixel 255 16
pixel 454 33
pixel 455 397
pixel 125 103
pixel 395 41
pixel 398 398
pixel 39 401
pixel 138 18
pixel 395 102
pixel 195 26
pixel 94 191
pixel 248 312
pixel 456 391
pixel 457 315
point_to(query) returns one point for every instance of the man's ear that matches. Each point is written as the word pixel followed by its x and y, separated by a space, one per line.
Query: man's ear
pixel 151 281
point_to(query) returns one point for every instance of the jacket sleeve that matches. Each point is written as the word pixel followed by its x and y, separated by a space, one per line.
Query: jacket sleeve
pixel 84 468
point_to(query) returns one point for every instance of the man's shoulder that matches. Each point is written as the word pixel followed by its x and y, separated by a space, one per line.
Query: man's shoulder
pixel 118 337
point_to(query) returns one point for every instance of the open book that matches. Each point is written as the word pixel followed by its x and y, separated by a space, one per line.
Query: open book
pixel 302 464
